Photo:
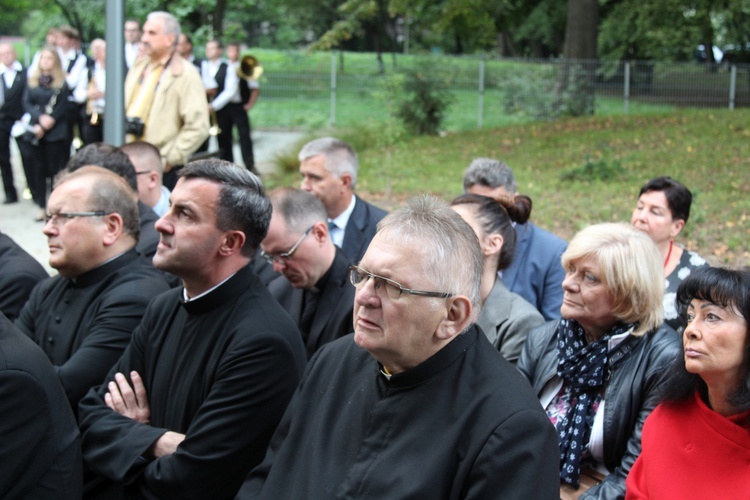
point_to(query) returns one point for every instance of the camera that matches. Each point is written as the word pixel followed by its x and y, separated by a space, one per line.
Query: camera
pixel 30 137
pixel 134 126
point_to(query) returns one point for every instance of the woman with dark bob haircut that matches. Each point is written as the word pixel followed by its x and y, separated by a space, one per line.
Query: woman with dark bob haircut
pixel 696 444
pixel 662 210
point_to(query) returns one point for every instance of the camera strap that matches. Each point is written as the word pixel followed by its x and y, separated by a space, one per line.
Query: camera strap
pixel 144 91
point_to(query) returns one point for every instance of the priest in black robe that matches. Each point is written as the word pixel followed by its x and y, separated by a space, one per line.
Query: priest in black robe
pixel 315 288
pixel 416 403
pixel 83 318
pixel 190 407
pixel 40 450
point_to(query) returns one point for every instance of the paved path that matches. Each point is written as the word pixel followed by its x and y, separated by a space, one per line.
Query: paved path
pixel 17 219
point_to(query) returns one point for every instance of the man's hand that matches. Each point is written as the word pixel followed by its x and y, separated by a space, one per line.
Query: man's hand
pixel 166 444
pixel 127 401
pixel 248 106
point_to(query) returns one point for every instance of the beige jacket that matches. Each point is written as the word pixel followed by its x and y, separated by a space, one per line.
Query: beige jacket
pixel 178 121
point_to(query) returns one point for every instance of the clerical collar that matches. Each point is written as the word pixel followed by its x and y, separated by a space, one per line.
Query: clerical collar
pixel 436 363
pixel 187 299
pixel 222 294
pixel 105 269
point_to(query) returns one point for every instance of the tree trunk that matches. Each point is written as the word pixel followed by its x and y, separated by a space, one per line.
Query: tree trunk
pixel 581 29
pixel 505 46
pixel 575 80
pixel 218 20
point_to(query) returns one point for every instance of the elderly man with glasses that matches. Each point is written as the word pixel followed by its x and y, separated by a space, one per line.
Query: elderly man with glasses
pixel 416 403
pixel 314 287
pixel 83 318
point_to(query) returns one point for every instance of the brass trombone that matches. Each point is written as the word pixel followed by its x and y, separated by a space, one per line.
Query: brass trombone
pixel 249 68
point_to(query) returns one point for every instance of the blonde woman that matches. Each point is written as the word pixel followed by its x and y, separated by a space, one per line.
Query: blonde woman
pixel 597 370
pixel 45 148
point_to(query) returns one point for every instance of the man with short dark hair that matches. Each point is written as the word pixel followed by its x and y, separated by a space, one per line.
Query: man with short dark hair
pixel 329 171
pixel 314 288
pixel 535 272
pixel 185 49
pixel 83 318
pixel 221 82
pixel 74 64
pixel 132 30
pixel 416 403
pixel 249 90
pixel 191 405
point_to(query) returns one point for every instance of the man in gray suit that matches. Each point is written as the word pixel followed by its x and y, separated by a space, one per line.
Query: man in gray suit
pixel 314 287
pixel 329 171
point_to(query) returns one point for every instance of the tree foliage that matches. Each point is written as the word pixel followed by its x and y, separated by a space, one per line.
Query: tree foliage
pixel 627 29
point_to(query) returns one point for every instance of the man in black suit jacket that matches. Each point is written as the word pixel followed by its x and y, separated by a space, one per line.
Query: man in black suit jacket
pixel 329 171
pixel 40 450
pixel 315 288
pixel 13 84
pixel 19 274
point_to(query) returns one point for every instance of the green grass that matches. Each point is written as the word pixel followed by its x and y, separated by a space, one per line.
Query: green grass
pixel 709 151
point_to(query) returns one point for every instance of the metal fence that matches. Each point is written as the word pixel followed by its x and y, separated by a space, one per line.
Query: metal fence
pixel 346 90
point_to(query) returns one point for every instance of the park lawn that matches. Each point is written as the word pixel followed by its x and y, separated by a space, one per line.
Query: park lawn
pixel 584 170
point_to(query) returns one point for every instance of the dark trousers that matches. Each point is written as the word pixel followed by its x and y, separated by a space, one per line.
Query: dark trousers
pixel 234 115
pixel 41 163
pixel 76 117
pixel 5 166
pixel 93 133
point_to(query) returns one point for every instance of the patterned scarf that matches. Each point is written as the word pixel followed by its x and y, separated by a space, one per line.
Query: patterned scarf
pixel 45 81
pixel 583 368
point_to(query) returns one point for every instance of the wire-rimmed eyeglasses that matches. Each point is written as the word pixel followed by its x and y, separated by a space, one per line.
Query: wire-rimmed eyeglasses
pixel 359 277
pixel 283 257
pixel 59 218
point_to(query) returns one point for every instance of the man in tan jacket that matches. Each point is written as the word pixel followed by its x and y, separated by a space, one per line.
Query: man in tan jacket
pixel 166 94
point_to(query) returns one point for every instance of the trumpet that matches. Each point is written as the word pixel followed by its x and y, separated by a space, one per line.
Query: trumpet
pixel 249 68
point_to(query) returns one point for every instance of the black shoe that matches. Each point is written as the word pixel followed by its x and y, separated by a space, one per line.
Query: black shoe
pixel 8 202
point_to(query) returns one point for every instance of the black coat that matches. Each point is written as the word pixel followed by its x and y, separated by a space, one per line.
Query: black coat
pixel 333 317
pixel 631 392
pixel 19 274
pixel 35 101
pixel 40 450
pixel 12 109
pixel 461 424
